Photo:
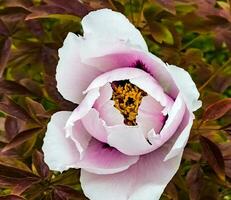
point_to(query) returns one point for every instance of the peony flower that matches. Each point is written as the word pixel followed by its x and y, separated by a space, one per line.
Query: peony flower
pixel 134 116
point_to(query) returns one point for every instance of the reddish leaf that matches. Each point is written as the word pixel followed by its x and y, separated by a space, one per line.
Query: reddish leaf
pixel 75 7
pixel 189 154
pixel 21 138
pixel 11 127
pixel 217 110
pixel 3 29
pixel 12 109
pixel 62 192
pixel 40 166
pixel 168 5
pixel 194 181
pixel 4 55
pixel 13 172
pixel 11 87
pixel 11 197
pixel 35 27
pixel 213 156
pixel 32 86
pixel 172 191
pixel 36 110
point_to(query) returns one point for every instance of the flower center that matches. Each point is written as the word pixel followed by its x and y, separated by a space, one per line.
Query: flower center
pixel 127 98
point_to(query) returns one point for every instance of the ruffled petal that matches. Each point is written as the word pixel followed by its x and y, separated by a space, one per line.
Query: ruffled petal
pixel 113 27
pixel 73 77
pixel 132 140
pixel 60 153
pixel 175 117
pixel 150 115
pixel 105 106
pixel 152 87
pixel 81 137
pixel 186 86
pixel 116 75
pixel 81 110
pixel 144 180
pixel 100 158
pixel 94 125
pixel 180 138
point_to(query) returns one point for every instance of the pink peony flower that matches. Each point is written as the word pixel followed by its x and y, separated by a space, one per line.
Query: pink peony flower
pixel 134 116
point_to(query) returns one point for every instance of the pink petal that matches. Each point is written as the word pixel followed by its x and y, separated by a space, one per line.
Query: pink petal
pixel 81 110
pixel 150 115
pixel 186 87
pixel 105 107
pixel 152 87
pixel 74 128
pixel 102 159
pixel 72 76
pixel 111 26
pixel 131 140
pixel 105 96
pixel 94 125
pixel 144 180
pixel 180 138
pixel 81 137
pixel 60 153
pixel 175 117
pixel 116 75
pixel 110 114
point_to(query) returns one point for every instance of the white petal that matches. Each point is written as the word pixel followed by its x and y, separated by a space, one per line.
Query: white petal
pixel 150 115
pixel 116 75
pixel 145 180
pixel 186 86
pixel 131 140
pixel 101 159
pixel 81 137
pixel 73 77
pixel 94 125
pixel 60 153
pixel 112 26
pixel 180 138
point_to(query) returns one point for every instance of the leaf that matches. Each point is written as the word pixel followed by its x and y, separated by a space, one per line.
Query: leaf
pixel 74 7
pixel 4 55
pixel 189 154
pixel 213 156
pixel 171 191
pixel 168 5
pixel 12 197
pixel 14 110
pixel 39 164
pixel 13 172
pixel 14 162
pixel 11 87
pixel 36 110
pixel 21 138
pixel 3 29
pixel 160 32
pixel 11 127
pixel 195 181
pixel 217 110
pixel 62 192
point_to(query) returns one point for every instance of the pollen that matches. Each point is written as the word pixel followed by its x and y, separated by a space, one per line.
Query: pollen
pixel 127 98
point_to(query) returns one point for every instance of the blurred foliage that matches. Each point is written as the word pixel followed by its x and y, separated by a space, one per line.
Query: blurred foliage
pixel 192 34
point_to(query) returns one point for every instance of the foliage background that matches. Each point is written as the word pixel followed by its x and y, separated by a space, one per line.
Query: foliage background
pixel 192 34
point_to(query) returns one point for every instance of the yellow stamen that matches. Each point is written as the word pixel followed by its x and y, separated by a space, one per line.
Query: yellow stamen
pixel 127 98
